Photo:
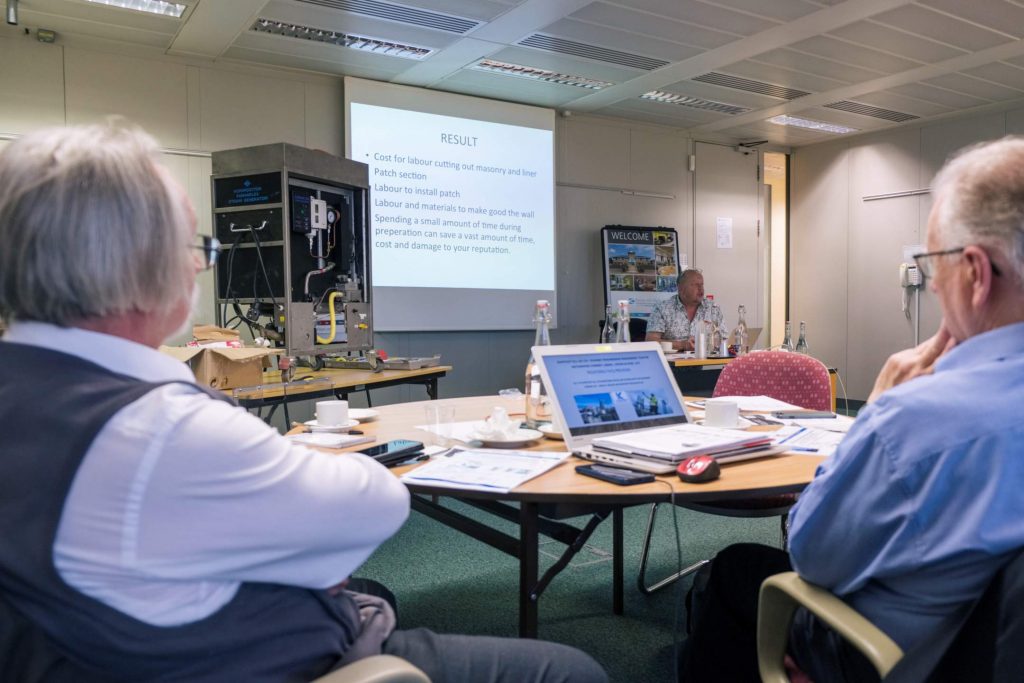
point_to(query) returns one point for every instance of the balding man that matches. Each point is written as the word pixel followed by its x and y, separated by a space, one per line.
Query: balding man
pixel 676 319
pixel 920 506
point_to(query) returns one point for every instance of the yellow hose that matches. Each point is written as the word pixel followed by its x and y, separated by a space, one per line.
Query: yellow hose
pixel 330 308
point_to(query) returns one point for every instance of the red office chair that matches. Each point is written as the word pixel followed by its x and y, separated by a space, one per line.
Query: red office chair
pixel 791 377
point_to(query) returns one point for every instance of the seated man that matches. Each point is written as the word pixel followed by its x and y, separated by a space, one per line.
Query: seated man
pixel 676 318
pixel 152 529
pixel 920 506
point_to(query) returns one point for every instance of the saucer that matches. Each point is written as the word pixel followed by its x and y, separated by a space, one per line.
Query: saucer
pixel 330 429
pixel 363 414
pixel 521 437
pixel 549 431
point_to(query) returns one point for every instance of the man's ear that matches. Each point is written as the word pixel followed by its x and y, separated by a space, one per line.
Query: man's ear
pixel 978 274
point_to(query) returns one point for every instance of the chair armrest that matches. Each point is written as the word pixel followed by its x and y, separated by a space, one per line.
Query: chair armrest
pixel 782 594
pixel 376 669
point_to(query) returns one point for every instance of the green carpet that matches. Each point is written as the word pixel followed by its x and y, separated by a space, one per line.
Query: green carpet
pixel 451 583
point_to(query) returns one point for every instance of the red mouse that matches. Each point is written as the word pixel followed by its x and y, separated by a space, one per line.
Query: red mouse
pixel 698 469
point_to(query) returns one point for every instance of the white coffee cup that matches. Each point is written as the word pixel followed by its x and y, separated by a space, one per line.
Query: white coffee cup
pixel 667 347
pixel 719 412
pixel 331 413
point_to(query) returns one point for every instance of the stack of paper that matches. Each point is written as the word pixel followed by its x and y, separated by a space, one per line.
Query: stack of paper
pixel 484 469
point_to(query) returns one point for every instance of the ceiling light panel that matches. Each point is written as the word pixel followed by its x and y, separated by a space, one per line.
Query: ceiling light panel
pixel 536 74
pixel 693 102
pixel 341 39
pixel 167 9
pixel 786 120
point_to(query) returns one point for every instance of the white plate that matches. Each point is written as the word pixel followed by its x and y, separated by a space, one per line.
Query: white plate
pixel 549 431
pixel 330 429
pixel 522 437
pixel 363 414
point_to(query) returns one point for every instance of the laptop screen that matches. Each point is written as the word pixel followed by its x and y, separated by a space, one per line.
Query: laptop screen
pixel 613 391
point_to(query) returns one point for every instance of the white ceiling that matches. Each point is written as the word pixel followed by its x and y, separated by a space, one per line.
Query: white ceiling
pixel 902 60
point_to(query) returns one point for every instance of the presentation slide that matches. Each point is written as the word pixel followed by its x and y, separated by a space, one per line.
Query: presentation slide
pixel 462 206
pixel 473 199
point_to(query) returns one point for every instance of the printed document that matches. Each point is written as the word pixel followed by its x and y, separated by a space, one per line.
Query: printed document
pixel 484 469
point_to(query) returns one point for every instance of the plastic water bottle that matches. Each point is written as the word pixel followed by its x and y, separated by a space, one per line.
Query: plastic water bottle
pixel 787 343
pixel 739 333
pixel 608 331
pixel 801 344
pixel 622 329
pixel 538 403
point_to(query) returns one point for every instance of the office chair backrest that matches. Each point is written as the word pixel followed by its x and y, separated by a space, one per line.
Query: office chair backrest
pixel 790 377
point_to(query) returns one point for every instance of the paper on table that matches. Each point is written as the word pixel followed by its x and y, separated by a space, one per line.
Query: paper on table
pixel 758 403
pixel 329 440
pixel 839 423
pixel 484 469
pixel 808 440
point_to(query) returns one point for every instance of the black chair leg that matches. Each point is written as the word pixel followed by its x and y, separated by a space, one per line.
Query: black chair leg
pixel 641 579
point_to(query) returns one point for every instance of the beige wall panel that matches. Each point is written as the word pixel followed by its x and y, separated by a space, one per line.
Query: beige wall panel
pixel 939 141
pixel 593 153
pixel 32 83
pixel 150 93
pixel 1015 122
pixel 325 118
pixel 819 223
pixel 242 110
pixel 658 162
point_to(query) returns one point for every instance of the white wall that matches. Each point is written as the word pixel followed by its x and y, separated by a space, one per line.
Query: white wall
pixel 845 251
pixel 200 106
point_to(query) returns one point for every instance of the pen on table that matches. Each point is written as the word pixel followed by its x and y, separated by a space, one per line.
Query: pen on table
pixel 803 449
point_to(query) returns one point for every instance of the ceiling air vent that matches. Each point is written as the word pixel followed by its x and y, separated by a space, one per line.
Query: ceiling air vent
pixel 868 110
pixel 599 54
pixel 400 14
pixel 737 83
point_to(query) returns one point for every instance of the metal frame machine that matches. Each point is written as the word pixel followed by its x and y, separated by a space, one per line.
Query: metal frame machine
pixel 295 261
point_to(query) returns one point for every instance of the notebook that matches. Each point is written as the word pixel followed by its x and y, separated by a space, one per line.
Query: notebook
pixel 614 401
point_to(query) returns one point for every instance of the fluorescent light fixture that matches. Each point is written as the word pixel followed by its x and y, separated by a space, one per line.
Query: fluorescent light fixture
pixel 537 74
pixel 693 102
pixel 349 40
pixel 167 9
pixel 786 120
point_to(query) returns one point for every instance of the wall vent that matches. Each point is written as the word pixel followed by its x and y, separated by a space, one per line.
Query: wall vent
pixel 737 83
pixel 599 54
pixel 868 110
pixel 400 14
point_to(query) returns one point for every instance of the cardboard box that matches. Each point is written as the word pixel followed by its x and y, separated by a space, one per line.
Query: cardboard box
pixel 223 368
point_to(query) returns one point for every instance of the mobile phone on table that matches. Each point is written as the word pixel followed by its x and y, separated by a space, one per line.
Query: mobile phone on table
pixel 802 414
pixel 393 452
pixel 616 475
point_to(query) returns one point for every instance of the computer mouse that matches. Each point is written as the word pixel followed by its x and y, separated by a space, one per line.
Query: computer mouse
pixel 699 469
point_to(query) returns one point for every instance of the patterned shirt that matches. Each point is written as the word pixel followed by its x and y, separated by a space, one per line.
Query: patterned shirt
pixel 669 318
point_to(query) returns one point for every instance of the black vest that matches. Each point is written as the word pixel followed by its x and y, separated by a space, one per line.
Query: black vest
pixel 52 406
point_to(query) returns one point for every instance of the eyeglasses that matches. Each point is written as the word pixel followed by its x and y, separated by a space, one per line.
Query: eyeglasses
pixel 210 248
pixel 926 271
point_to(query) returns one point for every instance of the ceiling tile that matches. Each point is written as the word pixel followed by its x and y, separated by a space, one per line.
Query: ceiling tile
pixel 255 56
pixel 482 10
pixel 702 14
pixel 974 87
pixel 925 22
pixel 722 94
pixel 334 55
pixel 891 100
pixel 331 19
pixel 565 64
pixel 663 118
pixel 873 34
pixel 831 48
pixel 696 116
pixel 498 86
pixel 779 76
pixel 930 94
pixel 619 40
pixel 998 15
pixel 782 10
pixel 796 61
pixel 652 25
pixel 998 72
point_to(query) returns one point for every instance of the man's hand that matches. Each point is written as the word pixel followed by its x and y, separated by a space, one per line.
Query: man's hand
pixel 910 363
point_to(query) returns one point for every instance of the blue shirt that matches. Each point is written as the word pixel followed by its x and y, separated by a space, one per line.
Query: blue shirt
pixel 924 498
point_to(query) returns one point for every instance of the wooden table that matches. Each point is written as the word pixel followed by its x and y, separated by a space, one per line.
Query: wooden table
pixel 562 493
pixel 337 383
pixel 698 376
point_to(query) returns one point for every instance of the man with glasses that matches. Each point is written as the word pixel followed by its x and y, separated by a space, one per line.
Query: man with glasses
pixel 920 506
pixel 677 319
pixel 151 529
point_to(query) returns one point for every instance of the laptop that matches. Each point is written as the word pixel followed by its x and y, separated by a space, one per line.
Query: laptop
pixel 752 334
pixel 605 392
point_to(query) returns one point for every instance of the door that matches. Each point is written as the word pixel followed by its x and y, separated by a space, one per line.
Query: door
pixel 728 237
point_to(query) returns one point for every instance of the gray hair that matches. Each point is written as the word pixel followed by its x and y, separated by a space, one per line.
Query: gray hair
pixel 688 273
pixel 980 195
pixel 90 225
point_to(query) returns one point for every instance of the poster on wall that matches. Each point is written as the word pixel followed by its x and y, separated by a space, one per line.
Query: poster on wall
pixel 640 265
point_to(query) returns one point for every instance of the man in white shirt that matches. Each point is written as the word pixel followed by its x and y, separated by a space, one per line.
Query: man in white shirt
pixel 152 529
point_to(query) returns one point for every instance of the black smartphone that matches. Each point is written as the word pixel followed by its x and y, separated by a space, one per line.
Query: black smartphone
pixel 393 452
pixel 802 414
pixel 616 475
